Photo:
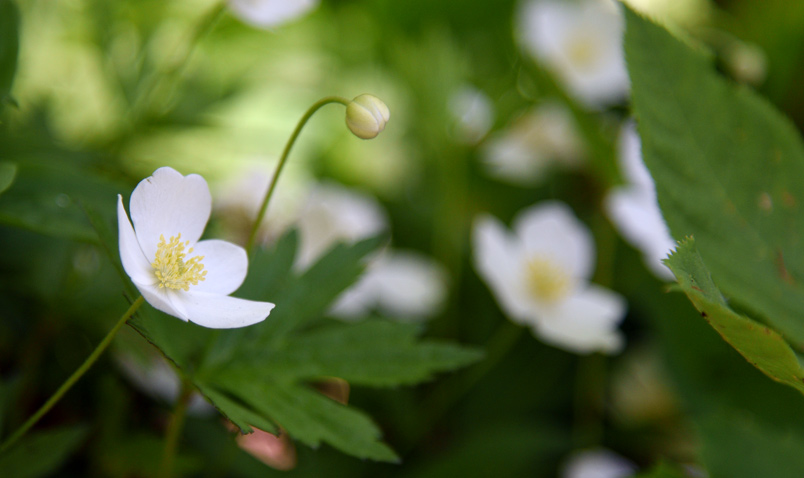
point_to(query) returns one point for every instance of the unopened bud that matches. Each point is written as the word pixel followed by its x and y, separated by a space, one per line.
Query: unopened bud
pixel 366 116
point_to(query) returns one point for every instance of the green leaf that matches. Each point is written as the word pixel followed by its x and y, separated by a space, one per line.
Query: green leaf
pixel 728 170
pixel 736 445
pixel 41 453
pixel 376 353
pixel 46 197
pixel 761 346
pixel 259 376
pixel 311 417
pixel 9 47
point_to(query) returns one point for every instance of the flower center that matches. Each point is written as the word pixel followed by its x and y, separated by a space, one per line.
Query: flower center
pixel 582 51
pixel 546 280
pixel 170 267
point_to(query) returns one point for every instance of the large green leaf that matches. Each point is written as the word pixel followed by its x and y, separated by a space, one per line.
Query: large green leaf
pixel 728 170
pixel 760 345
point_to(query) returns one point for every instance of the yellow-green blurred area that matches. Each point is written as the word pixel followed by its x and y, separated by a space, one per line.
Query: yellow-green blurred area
pixel 106 92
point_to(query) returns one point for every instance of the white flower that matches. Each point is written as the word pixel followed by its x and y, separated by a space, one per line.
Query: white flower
pixel 175 272
pixel 597 463
pixel 543 137
pixel 156 378
pixel 581 43
pixel 473 112
pixel 403 285
pixel 270 13
pixel 634 209
pixel 366 116
pixel 333 213
pixel 540 276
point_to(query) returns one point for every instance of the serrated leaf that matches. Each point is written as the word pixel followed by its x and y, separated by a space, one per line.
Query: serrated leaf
pixel 41 453
pixel 9 47
pixel 313 418
pixel 375 353
pixel 728 170
pixel 761 346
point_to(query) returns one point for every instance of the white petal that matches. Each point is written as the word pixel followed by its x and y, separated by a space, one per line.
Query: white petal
pixel 221 311
pixel 226 265
pixel 409 285
pixel 270 13
pixel 550 229
pixel 134 261
pixel 160 299
pixel 629 152
pixel 499 258
pixel 357 300
pixel 636 214
pixel 334 213
pixel 168 203
pixel 597 463
pixel 586 322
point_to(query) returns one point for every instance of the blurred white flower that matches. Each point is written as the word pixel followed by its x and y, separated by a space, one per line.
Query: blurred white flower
pixel 473 112
pixel 155 377
pixel 270 13
pixel 597 463
pixel 403 285
pixel 581 43
pixel 169 212
pixel 634 209
pixel 334 213
pixel 540 273
pixel 544 137
pixel 366 116
pixel 241 196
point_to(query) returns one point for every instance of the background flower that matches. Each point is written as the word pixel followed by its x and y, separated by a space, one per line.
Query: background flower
pixel 539 275
pixel 270 13
pixel 581 43
pixel 634 208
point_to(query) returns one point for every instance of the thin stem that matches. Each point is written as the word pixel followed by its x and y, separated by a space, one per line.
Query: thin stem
pixel 316 106
pixel 159 80
pixel 174 430
pixel 74 377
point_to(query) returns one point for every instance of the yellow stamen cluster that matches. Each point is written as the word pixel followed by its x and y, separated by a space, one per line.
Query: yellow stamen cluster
pixel 546 280
pixel 170 267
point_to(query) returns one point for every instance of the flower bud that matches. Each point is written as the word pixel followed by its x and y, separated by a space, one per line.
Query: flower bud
pixel 366 116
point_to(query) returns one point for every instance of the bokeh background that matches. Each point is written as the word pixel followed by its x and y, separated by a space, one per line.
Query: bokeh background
pixel 106 92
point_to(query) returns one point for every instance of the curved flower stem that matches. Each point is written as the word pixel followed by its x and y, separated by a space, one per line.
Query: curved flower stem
pixel 174 430
pixel 316 106
pixel 74 377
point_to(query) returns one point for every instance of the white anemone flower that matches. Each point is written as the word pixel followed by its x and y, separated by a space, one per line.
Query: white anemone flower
pixel 597 463
pixel 268 14
pixel 163 256
pixel 473 113
pixel 634 208
pixel 399 284
pixel 544 137
pixel 581 43
pixel 539 275
pixel 333 213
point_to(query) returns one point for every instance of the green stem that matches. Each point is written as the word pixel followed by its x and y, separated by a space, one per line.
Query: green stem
pixel 157 81
pixel 174 430
pixel 74 377
pixel 316 106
